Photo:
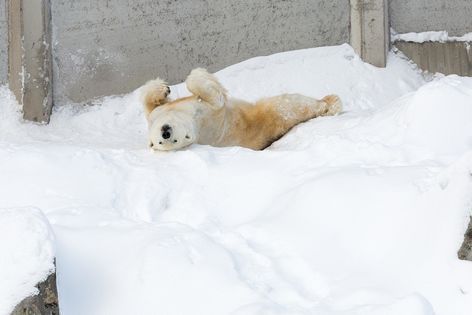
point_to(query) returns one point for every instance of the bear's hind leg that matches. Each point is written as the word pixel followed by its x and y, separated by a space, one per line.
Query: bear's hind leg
pixel 296 108
pixel 206 86
pixel 334 105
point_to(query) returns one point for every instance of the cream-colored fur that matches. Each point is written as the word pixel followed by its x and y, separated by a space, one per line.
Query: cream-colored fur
pixel 210 117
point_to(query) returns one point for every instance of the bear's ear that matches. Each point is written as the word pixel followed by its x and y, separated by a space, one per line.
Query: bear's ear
pixel 205 85
pixel 154 93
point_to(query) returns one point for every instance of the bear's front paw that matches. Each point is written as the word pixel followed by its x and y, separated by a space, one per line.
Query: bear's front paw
pixel 160 92
pixel 154 93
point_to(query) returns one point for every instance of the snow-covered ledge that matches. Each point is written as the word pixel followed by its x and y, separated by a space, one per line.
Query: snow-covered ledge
pixel 26 263
pixel 432 36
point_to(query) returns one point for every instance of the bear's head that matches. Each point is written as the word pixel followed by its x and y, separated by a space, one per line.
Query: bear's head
pixel 173 125
pixel 177 124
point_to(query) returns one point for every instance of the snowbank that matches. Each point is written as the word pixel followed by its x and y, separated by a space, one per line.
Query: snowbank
pixel 26 254
pixel 361 213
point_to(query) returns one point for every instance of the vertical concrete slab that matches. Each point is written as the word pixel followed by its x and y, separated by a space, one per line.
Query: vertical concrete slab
pixel 3 43
pixel 15 48
pixel 37 100
pixel 356 26
pixel 30 75
pixel 370 30
pixel 446 58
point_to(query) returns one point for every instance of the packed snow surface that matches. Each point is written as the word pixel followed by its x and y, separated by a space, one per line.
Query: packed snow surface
pixel 357 214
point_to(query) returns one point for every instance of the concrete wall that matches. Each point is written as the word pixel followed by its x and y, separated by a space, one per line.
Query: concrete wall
pixel 113 46
pixel 454 16
pixel 3 43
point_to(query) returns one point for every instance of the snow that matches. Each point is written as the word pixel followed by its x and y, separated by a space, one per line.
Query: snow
pixel 362 213
pixel 430 36
pixel 27 254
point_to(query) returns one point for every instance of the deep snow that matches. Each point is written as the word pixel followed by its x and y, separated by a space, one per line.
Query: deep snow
pixel 361 213
pixel 26 254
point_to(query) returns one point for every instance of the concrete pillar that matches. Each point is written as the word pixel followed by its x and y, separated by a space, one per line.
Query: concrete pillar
pixel 370 35
pixel 29 54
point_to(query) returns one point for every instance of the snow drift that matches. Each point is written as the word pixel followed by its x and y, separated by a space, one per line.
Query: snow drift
pixel 27 254
pixel 361 213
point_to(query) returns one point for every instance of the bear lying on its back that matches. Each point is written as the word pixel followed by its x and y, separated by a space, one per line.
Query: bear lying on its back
pixel 209 116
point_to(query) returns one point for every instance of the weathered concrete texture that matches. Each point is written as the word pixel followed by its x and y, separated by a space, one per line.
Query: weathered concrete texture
pixel 15 48
pixel 446 58
pixel 29 51
pixel 45 303
pixel 110 47
pixel 3 43
pixel 370 36
pixel 465 252
pixel 454 16
pixel 37 99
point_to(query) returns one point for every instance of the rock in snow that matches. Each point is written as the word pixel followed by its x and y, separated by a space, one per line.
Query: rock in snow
pixel 465 252
pixel 362 213
pixel 44 303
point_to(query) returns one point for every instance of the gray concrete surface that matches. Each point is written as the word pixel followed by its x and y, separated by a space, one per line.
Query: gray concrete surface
pixel 111 47
pixel 370 35
pixel 454 16
pixel 446 58
pixel 37 100
pixel 3 43
pixel 29 54
pixel 15 48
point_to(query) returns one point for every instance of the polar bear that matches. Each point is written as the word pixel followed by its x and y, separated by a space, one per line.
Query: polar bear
pixel 210 117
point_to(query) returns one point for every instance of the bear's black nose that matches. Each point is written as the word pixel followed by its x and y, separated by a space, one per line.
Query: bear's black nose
pixel 166 131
